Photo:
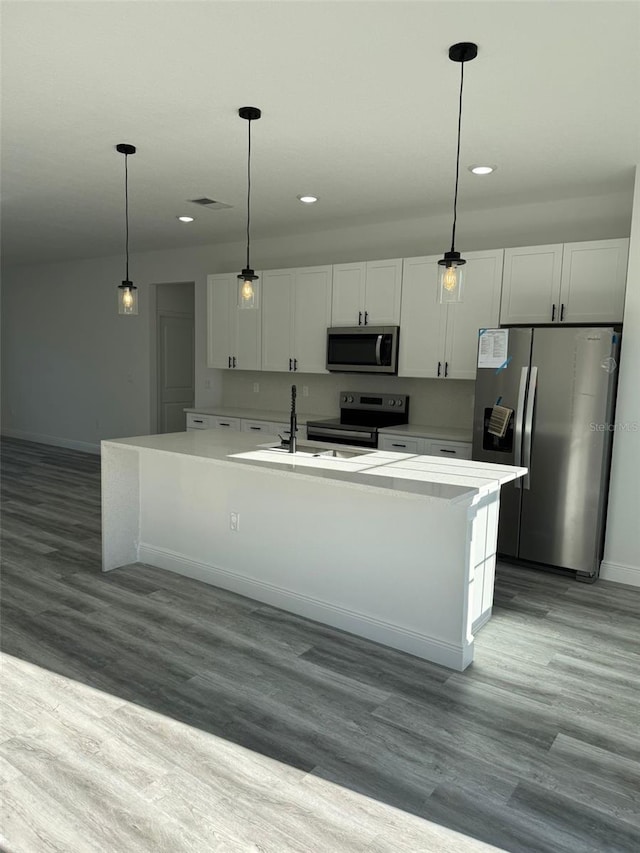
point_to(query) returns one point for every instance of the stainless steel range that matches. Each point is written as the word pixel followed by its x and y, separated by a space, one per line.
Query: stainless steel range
pixel 361 416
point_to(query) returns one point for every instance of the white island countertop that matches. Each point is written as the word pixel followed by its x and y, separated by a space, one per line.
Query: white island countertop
pixel 426 477
pixel 397 548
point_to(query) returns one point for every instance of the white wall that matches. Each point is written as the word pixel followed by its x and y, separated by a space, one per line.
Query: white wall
pixel 75 372
pixel 622 545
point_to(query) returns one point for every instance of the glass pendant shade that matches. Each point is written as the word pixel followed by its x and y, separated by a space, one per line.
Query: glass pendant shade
pixel 247 289
pixel 127 298
pixel 450 282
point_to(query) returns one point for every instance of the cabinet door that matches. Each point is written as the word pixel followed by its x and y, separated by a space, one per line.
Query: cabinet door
pixel 196 421
pixel 247 332
pixel 480 309
pixel 400 444
pixel 347 305
pixel 422 320
pixel 220 328
pixel 450 449
pixel 594 276
pixel 531 284
pixel 277 319
pixel 382 292
pixel 311 317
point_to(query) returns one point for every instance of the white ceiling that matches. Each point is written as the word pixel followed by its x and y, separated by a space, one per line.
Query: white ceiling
pixel 359 104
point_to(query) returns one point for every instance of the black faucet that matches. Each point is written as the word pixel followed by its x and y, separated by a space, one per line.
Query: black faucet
pixel 293 422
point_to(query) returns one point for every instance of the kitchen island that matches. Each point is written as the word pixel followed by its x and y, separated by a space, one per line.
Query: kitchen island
pixel 396 548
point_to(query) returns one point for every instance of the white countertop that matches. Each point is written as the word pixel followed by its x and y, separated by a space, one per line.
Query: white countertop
pixel 425 477
pixel 254 414
pixel 437 433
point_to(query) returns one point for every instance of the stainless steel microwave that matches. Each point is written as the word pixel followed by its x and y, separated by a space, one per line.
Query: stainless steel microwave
pixel 363 349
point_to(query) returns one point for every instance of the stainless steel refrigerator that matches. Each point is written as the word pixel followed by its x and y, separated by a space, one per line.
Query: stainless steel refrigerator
pixel 556 387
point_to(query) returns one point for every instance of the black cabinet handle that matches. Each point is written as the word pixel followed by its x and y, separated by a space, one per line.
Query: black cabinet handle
pixel 366 318
pixel 446 368
pixel 234 361
pixel 295 363
pixel 439 367
pixel 196 421
pixel 562 312
pixel 290 362
pixel 398 445
pixel 553 312
pixel 229 361
pixel 359 318
pixel 221 424
pixel 444 450
pixel 259 428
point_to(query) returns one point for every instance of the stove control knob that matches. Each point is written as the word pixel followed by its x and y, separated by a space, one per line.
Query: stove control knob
pixel 344 399
pixel 349 399
pixel 392 402
pixel 398 402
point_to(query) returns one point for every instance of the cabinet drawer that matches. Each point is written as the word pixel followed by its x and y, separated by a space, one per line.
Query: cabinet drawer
pixel 195 421
pixel 453 449
pixel 265 427
pixel 400 445
pixel 224 423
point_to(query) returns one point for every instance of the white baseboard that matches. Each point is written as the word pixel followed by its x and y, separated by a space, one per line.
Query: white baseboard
pixel 41 438
pixel 421 645
pixel 619 573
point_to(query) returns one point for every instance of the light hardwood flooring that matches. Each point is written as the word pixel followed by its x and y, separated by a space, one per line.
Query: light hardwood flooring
pixel 143 711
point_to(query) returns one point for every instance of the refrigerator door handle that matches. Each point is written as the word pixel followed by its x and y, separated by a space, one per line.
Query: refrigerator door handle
pixel 528 427
pixel 519 420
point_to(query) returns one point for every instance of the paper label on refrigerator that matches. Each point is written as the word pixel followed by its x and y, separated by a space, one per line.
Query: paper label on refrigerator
pixel 493 346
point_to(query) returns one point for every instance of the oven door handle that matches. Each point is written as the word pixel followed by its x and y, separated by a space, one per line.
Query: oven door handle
pixel 312 432
pixel 378 350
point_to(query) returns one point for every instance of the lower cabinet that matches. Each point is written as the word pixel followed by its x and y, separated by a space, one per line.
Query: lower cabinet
pixel 268 429
pixel 424 446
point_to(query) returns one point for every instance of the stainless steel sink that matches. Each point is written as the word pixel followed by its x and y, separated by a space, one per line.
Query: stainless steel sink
pixel 328 453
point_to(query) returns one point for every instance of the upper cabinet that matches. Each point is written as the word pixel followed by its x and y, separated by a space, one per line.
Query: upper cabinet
pixel 570 283
pixel 440 341
pixel 296 311
pixel 367 294
pixel 233 334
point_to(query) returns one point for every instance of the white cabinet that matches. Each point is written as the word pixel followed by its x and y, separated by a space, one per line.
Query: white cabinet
pixel 233 334
pixel 440 341
pixel 402 443
pixel 367 293
pixel 296 311
pixel 570 283
pixel 195 421
pixel 594 276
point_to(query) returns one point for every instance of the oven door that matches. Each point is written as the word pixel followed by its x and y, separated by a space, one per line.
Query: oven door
pixel 357 436
pixel 363 349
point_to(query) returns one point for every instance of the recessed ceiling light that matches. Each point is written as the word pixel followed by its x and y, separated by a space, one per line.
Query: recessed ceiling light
pixel 185 218
pixel 307 199
pixel 482 170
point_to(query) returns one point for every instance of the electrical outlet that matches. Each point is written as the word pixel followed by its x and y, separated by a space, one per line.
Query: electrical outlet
pixel 256 387
pixel 305 390
pixel 234 521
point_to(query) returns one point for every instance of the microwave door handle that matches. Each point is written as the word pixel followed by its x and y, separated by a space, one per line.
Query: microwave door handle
pixel 519 420
pixel 378 349
pixel 528 427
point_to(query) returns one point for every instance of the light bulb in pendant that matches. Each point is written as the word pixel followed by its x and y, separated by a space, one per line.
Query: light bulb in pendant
pixel 450 279
pixel 247 290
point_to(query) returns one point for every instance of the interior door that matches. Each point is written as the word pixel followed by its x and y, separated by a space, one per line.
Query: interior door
pixel 561 522
pixel 176 369
pixel 505 386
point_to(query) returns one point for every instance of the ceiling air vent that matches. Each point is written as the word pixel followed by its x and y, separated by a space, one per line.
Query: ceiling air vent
pixel 209 203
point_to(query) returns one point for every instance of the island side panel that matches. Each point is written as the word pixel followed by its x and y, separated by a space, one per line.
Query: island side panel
pixel 384 565
pixel 483 546
pixel 120 477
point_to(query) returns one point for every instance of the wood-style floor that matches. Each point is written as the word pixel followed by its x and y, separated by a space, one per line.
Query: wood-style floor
pixel 142 711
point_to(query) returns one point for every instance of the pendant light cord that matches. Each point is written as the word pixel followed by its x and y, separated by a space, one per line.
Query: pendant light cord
pixel 455 194
pixel 248 194
pixel 126 212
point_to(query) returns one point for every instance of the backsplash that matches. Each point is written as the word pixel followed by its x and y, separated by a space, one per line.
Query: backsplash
pixel 435 402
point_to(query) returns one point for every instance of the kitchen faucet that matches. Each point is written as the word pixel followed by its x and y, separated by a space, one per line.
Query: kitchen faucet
pixel 293 422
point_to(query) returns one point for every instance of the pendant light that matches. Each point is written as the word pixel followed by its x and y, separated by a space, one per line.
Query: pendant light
pixel 451 265
pixel 247 280
pixel 127 291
